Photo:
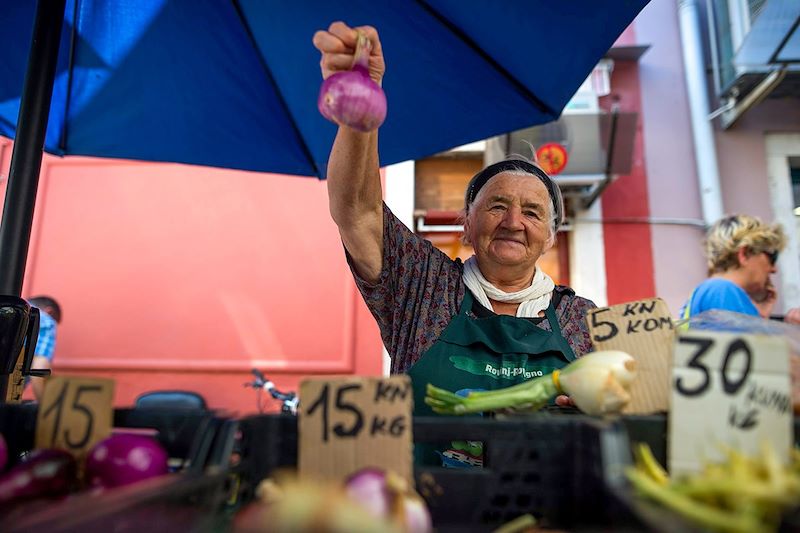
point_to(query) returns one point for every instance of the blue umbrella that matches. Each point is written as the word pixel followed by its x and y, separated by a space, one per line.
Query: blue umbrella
pixel 234 83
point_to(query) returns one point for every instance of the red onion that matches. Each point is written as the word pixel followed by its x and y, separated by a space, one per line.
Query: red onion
pixel 123 459
pixel 352 98
pixel 45 472
pixel 3 452
pixel 388 496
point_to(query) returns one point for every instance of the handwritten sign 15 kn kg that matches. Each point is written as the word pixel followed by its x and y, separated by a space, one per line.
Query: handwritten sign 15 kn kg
pixel 350 423
pixel 728 390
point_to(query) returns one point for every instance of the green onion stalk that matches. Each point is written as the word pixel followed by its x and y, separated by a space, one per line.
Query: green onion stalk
pixel 598 383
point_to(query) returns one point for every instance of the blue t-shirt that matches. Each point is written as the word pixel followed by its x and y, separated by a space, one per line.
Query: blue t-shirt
pixel 717 293
pixel 46 341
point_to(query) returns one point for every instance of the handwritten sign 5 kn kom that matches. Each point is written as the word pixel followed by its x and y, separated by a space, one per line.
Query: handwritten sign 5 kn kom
pixel 351 423
pixel 643 329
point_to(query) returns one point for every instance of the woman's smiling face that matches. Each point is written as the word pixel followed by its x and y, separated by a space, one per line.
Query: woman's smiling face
pixel 509 221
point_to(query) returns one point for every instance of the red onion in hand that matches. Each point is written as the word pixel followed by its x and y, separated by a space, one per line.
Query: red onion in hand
pixel 352 98
pixel 387 495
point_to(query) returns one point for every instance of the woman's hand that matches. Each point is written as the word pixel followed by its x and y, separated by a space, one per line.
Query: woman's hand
pixel 765 300
pixel 792 316
pixel 338 46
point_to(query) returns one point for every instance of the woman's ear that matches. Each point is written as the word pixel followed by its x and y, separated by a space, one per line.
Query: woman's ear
pixel 742 255
pixel 465 237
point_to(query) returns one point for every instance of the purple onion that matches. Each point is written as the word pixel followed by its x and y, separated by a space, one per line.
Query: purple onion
pixel 352 98
pixel 124 459
pixel 3 453
pixel 46 472
pixel 368 488
pixel 386 495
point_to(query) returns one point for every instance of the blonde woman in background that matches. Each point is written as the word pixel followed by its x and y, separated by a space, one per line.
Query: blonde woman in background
pixel 741 252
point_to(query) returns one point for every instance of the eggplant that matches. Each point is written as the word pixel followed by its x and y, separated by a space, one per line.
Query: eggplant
pixel 46 472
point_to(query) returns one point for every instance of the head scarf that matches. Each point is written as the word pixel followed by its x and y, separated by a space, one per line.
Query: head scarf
pixel 511 165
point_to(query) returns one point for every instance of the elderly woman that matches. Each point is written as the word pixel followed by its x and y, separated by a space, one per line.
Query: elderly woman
pixel 488 323
pixel 741 252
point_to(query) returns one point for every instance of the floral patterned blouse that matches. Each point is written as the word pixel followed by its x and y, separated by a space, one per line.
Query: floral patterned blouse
pixel 420 290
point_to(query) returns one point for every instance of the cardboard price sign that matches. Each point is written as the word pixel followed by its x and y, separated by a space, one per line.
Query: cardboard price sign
pixel 16 381
pixel 643 329
pixel 350 423
pixel 75 413
pixel 728 389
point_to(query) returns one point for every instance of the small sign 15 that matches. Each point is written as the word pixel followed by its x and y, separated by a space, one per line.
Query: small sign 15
pixel 75 413
pixel 728 390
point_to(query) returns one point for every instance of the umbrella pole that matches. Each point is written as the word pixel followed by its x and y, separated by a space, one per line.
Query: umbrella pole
pixel 26 158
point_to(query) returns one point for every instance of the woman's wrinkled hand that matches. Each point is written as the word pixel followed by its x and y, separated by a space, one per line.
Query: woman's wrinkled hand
pixel 338 45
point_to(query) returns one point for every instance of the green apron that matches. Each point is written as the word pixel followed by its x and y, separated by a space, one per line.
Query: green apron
pixel 486 353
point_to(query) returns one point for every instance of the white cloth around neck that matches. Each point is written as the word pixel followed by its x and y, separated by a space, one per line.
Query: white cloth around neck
pixel 532 300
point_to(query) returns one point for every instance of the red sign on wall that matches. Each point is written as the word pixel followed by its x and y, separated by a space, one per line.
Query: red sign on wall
pixel 552 158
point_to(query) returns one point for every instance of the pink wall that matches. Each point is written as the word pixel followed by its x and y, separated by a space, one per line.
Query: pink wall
pixel 669 156
pixel 743 158
pixel 173 276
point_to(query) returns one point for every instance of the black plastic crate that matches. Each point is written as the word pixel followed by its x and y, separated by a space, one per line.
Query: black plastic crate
pixel 553 467
pixel 652 430
pixel 199 445
pixel 265 443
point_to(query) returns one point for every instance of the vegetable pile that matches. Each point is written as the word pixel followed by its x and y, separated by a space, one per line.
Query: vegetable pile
pixel 598 383
pixel 743 494
pixel 370 500
pixel 113 462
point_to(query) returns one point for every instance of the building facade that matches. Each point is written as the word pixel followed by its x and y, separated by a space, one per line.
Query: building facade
pixel 679 159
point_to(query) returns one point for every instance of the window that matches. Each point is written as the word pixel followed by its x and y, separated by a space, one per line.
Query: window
pixel 754 8
pixel 722 36
pixel 729 23
pixel 795 173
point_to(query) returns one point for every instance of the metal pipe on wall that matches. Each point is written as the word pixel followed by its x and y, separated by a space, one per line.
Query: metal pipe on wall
pixel 702 130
